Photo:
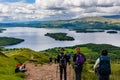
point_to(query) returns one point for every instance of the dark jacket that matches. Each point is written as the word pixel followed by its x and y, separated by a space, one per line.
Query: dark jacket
pixel 65 57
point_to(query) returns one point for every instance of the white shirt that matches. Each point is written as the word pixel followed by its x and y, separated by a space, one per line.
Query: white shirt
pixel 96 63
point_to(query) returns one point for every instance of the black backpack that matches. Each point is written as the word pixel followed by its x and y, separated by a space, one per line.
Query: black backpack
pixel 104 66
pixel 63 61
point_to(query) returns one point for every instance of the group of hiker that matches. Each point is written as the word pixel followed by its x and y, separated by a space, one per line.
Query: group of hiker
pixel 102 64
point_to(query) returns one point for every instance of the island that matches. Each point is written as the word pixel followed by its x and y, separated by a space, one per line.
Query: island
pixel 5 41
pixel 112 32
pixel 88 30
pixel 1 30
pixel 60 36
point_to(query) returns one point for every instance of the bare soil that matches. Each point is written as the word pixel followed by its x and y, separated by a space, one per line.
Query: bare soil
pixel 46 72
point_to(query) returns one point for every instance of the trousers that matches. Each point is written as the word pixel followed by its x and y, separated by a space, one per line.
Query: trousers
pixel 63 70
pixel 103 77
pixel 78 72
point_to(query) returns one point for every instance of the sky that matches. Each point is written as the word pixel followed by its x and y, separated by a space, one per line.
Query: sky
pixel 27 10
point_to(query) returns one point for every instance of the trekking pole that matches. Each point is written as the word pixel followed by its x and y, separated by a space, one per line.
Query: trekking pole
pixel 69 72
pixel 56 71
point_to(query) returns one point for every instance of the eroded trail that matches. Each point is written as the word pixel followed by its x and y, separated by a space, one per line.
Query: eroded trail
pixel 46 72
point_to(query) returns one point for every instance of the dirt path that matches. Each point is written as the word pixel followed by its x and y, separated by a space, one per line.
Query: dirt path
pixel 45 72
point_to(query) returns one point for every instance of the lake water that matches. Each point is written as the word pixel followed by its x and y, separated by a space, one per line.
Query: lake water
pixel 35 39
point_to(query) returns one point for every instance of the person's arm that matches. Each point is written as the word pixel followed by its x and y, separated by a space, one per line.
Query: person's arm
pixel 67 59
pixel 58 58
pixel 84 57
pixel 96 63
pixel 74 58
pixel 110 67
pixel 20 68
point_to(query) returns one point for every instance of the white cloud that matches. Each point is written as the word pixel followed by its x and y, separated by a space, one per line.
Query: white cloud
pixel 57 9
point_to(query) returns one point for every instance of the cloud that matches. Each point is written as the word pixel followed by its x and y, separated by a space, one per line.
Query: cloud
pixel 20 10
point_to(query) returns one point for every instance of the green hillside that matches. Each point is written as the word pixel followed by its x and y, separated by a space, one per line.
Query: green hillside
pixel 13 56
pixel 74 24
pixel 82 24
pixel 92 51
pixel 7 66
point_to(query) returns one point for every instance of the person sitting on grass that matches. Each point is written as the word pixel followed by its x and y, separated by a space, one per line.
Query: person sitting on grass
pixel 20 68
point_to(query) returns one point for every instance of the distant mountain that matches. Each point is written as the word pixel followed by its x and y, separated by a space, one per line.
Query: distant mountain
pixel 82 23
pixel 113 16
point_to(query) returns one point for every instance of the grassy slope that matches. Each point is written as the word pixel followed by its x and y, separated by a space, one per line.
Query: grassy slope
pixel 93 19
pixel 102 19
pixel 24 54
pixel 7 65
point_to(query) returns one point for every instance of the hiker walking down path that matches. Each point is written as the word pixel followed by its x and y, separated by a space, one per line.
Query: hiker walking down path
pixel 62 60
pixel 50 60
pixel 102 66
pixel 69 57
pixel 78 60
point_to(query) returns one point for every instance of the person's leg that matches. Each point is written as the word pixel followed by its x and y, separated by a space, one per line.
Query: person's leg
pixel 61 71
pixel 80 72
pixel 98 76
pixel 101 77
pixel 69 62
pixel 65 74
pixel 106 77
pixel 76 72
pixel 79 75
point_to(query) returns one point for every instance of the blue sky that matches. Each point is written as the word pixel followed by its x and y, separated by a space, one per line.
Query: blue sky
pixel 11 1
pixel 25 10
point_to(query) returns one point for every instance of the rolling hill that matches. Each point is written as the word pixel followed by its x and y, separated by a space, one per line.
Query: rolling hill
pixel 83 23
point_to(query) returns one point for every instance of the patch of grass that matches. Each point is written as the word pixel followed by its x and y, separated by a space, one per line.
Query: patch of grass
pixel 24 54
pixel 7 67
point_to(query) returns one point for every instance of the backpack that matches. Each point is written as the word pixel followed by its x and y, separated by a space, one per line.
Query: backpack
pixel 80 59
pixel 17 70
pixel 104 65
pixel 63 60
pixel 69 56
